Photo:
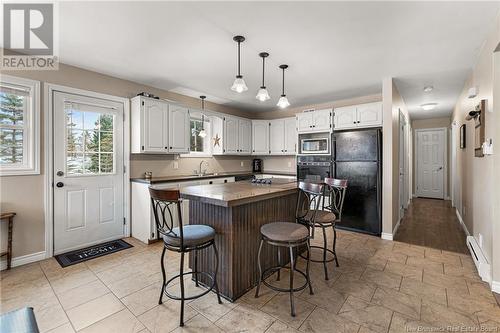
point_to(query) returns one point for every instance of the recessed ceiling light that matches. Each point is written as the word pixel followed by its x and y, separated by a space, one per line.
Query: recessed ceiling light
pixel 428 88
pixel 428 106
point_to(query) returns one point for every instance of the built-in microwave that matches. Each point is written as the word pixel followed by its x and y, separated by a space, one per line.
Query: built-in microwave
pixel 314 144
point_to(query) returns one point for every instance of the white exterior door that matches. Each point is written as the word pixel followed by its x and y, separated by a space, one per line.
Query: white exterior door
pixel 277 137
pixel 155 126
pixel 345 117
pixel 245 136
pixel 290 136
pixel 178 133
pixel 430 163
pixel 230 135
pixel 88 171
pixel 260 137
pixel 322 120
pixel 369 114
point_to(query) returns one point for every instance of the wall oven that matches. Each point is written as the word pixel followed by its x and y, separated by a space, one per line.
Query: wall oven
pixel 313 168
pixel 314 144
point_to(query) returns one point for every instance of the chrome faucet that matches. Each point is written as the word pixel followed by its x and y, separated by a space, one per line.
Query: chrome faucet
pixel 201 165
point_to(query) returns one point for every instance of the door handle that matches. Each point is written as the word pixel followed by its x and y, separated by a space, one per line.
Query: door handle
pixel 60 184
pixel 439 169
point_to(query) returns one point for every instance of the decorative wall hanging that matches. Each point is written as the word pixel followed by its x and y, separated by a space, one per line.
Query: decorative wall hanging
pixel 479 117
pixel 463 136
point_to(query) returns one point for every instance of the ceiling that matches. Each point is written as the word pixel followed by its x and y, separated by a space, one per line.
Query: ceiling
pixel 335 50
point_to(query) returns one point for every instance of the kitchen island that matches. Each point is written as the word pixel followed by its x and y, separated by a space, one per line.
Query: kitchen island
pixel 237 211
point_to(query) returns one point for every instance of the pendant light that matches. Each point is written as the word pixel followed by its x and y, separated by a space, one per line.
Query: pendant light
pixel 239 84
pixel 283 101
pixel 263 95
pixel 202 133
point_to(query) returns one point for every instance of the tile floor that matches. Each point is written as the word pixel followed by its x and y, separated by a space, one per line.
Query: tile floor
pixel 380 286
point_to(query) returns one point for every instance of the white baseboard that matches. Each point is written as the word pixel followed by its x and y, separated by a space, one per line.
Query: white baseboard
pixel 414 195
pixel 23 260
pixel 495 286
pixel 386 236
pixel 396 227
pixel 462 222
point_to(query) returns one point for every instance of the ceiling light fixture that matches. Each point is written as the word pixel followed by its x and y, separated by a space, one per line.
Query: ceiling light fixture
pixel 428 106
pixel 202 133
pixel 263 94
pixel 239 84
pixel 428 89
pixel 283 101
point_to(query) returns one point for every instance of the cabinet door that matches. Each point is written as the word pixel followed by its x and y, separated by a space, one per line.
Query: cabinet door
pixel 244 136
pixel 260 137
pixel 322 120
pixel 305 121
pixel 277 137
pixel 155 126
pixel 178 129
pixel 290 136
pixel 369 115
pixel 345 117
pixel 230 139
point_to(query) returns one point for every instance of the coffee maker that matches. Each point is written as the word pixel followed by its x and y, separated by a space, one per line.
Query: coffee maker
pixel 257 165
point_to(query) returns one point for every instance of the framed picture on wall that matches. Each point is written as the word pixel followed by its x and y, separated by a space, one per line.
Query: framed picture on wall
pixel 462 136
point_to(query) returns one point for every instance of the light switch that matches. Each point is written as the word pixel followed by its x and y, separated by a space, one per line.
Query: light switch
pixel 289 164
pixel 176 165
pixel 242 163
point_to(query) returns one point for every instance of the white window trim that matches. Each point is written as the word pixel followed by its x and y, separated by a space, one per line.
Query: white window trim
pixel 32 165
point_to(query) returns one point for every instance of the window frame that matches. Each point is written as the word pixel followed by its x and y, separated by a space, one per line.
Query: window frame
pixel 209 132
pixel 31 129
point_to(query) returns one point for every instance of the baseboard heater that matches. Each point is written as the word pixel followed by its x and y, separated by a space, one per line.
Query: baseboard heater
pixel 482 265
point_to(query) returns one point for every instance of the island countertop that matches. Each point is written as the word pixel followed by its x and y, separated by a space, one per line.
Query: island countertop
pixel 238 193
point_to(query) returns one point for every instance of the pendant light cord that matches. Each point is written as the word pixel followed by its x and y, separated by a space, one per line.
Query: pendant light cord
pixel 263 61
pixel 283 84
pixel 239 74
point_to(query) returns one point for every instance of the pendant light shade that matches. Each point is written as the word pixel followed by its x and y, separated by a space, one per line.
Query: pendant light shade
pixel 263 94
pixel 202 133
pixel 239 84
pixel 283 101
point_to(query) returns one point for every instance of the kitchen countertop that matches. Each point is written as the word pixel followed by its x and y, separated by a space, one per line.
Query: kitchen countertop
pixel 238 193
pixel 167 179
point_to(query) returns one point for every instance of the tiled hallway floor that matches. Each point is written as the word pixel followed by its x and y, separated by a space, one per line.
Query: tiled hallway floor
pixel 380 286
pixel 432 223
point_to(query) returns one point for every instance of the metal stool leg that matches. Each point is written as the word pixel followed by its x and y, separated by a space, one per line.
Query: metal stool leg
pixel 216 270
pixel 307 268
pixel 196 267
pixel 181 322
pixel 160 301
pixel 292 304
pixel 279 263
pixel 334 244
pixel 324 252
pixel 260 268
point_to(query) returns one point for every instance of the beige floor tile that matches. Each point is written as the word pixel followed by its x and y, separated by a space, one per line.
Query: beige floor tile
pixel 93 311
pixel 165 317
pixel 479 288
pixel 445 258
pixel 143 300
pixel 322 321
pixel 105 262
pixel 423 290
pixel 210 308
pixel 373 262
pixel 133 283
pixel 349 268
pixel 328 298
pixel 18 276
pixel 65 328
pixel 82 294
pixel 398 301
pixel 442 316
pixel 460 271
pixel 425 264
pixel 407 271
pixel 244 318
pixel 72 280
pixel 358 288
pixel 490 326
pixel 279 307
pixel 265 294
pixel 53 270
pixel 384 279
pixel 410 251
pixel 473 304
pixel 391 256
pixel 50 317
pixel 400 323
pixel 198 324
pixel 120 322
pixel 280 327
pixel 373 316
pixel 451 283
pixel 489 314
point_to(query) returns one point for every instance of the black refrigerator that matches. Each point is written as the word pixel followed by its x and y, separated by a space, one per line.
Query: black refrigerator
pixel 357 157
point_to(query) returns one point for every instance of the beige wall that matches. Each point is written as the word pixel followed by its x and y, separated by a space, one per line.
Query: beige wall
pixel 432 123
pixel 496 175
pixel 475 175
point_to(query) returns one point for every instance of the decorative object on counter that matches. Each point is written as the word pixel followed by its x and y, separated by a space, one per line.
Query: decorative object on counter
pixel 216 140
pixel 145 94
pixel 479 117
pixel 283 101
pixel 202 133
pixel 463 136
pixel 9 217
pixel 148 175
pixel 263 94
pixel 239 84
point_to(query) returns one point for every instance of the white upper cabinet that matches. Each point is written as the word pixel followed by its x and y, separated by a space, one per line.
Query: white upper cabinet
pixel 277 137
pixel 358 116
pixel 260 137
pixel 158 127
pixel 290 136
pixel 230 139
pixel 245 136
pixel 314 121
pixel 178 129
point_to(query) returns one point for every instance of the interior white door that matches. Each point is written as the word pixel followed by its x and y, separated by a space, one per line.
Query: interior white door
pixel 88 171
pixel 178 129
pixel 260 137
pixel 430 163
pixel 402 156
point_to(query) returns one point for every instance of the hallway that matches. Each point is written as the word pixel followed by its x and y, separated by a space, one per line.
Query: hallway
pixel 432 223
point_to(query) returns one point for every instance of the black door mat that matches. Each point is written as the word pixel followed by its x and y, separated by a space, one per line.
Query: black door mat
pixel 91 252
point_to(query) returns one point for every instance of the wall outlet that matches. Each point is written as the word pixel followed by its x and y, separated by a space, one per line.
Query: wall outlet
pixel 289 164
pixel 480 236
pixel 175 165
pixel 242 163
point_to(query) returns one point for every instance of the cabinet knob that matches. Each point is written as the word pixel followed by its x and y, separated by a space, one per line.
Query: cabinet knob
pixel 166 147
pixel 354 122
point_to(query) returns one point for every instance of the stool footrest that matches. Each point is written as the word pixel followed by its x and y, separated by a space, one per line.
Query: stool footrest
pixel 285 290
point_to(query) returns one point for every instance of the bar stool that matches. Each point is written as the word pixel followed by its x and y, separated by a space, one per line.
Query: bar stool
pixel 182 239
pixel 329 215
pixel 291 235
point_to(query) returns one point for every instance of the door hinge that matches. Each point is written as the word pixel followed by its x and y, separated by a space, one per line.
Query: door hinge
pixel 124 221
pixel 142 147
pixel 124 169
pixel 142 103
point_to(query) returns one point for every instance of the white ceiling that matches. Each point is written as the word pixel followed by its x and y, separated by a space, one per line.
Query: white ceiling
pixel 335 50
